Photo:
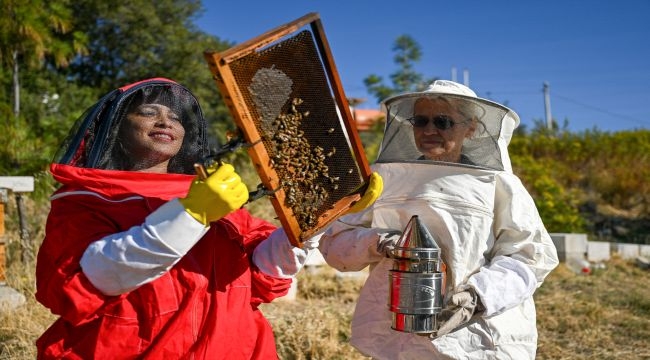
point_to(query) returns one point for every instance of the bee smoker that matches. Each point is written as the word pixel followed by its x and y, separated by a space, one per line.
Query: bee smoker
pixel 415 281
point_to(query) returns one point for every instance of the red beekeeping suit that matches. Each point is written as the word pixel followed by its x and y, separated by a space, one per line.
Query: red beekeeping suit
pixel 202 305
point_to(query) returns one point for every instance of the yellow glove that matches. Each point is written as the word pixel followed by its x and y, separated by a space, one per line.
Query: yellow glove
pixel 221 193
pixel 373 191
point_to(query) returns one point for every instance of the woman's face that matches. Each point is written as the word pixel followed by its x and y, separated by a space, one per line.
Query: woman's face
pixel 152 135
pixel 437 144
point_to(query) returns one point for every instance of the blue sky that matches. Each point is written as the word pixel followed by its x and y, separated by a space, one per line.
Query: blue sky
pixel 595 55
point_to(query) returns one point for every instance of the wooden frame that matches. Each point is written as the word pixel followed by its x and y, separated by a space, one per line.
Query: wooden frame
pixel 220 66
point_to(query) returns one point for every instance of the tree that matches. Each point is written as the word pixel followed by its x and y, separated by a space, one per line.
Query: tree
pixel 128 42
pixel 141 39
pixel 36 38
pixel 30 32
pixel 407 53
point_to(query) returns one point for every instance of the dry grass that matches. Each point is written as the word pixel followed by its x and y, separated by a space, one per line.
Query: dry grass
pixel 605 315
pixel 317 324
pixel 19 328
pixel 602 316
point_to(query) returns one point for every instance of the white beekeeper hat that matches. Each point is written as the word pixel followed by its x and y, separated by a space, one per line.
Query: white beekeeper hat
pixel 488 146
pixel 453 89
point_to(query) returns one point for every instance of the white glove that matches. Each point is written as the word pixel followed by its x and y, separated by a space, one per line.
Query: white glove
pixel 459 310
pixel 276 256
pixel 387 241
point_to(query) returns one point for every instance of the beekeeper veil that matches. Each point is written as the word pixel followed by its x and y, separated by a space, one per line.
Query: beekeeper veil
pixel 95 141
pixel 486 148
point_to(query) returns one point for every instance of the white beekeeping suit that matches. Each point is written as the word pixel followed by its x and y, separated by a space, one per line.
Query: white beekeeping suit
pixel 486 224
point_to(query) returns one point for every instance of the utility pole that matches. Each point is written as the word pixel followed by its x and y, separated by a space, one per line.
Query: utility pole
pixel 547 106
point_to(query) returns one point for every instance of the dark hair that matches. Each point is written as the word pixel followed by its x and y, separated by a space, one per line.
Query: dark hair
pixel 179 100
pixel 94 141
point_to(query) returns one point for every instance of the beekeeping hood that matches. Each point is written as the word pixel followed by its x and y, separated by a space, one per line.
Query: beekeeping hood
pixel 487 148
pixel 94 141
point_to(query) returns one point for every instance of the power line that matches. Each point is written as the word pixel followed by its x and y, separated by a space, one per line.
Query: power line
pixel 491 94
pixel 604 111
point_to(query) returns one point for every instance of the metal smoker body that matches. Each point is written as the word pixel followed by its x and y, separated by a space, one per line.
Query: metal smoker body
pixel 416 281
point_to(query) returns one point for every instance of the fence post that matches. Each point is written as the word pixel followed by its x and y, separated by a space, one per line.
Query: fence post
pixel 19 185
pixel 9 297
pixel 3 252
pixel 26 248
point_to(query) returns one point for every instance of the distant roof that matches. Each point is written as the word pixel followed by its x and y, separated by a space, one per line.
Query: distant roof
pixel 366 118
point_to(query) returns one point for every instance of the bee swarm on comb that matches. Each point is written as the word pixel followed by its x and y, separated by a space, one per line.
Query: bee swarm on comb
pixel 305 175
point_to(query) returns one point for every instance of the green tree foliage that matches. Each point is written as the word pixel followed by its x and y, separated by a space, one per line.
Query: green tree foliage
pixel 141 39
pixel 106 45
pixel 405 78
pixel 557 206
pixel 35 37
pixel 133 40
pixel 35 30
pixel 598 176
pixel 371 140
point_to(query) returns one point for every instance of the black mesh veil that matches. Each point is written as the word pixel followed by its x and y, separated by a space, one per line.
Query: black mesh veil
pixel 487 148
pixel 94 141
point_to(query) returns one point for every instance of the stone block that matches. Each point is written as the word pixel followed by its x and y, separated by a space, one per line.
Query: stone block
pixel 315 259
pixel 643 262
pixel 570 245
pixel 644 250
pixel 627 251
pixel 10 298
pixel 291 295
pixel 598 251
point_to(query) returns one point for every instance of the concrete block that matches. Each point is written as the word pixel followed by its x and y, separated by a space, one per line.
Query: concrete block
pixel 643 262
pixel 17 183
pixel 315 259
pixel 352 274
pixel 627 251
pixel 567 242
pixel 10 298
pixel 598 251
pixel 644 250
pixel 570 245
pixel 293 292
pixel 568 256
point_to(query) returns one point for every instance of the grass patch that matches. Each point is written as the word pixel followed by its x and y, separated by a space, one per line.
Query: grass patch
pixel 605 315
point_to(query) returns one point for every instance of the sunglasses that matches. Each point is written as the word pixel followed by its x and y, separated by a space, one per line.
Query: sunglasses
pixel 441 122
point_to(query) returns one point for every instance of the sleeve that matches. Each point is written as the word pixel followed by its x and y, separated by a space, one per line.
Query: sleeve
pixel 523 253
pixel 350 244
pixel 276 257
pixel 252 233
pixel 78 294
pixel 121 262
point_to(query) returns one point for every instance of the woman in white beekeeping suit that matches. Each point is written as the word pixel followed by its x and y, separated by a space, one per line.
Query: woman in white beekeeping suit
pixel 444 158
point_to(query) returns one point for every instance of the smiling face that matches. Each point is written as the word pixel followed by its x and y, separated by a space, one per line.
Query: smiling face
pixel 151 136
pixel 437 144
